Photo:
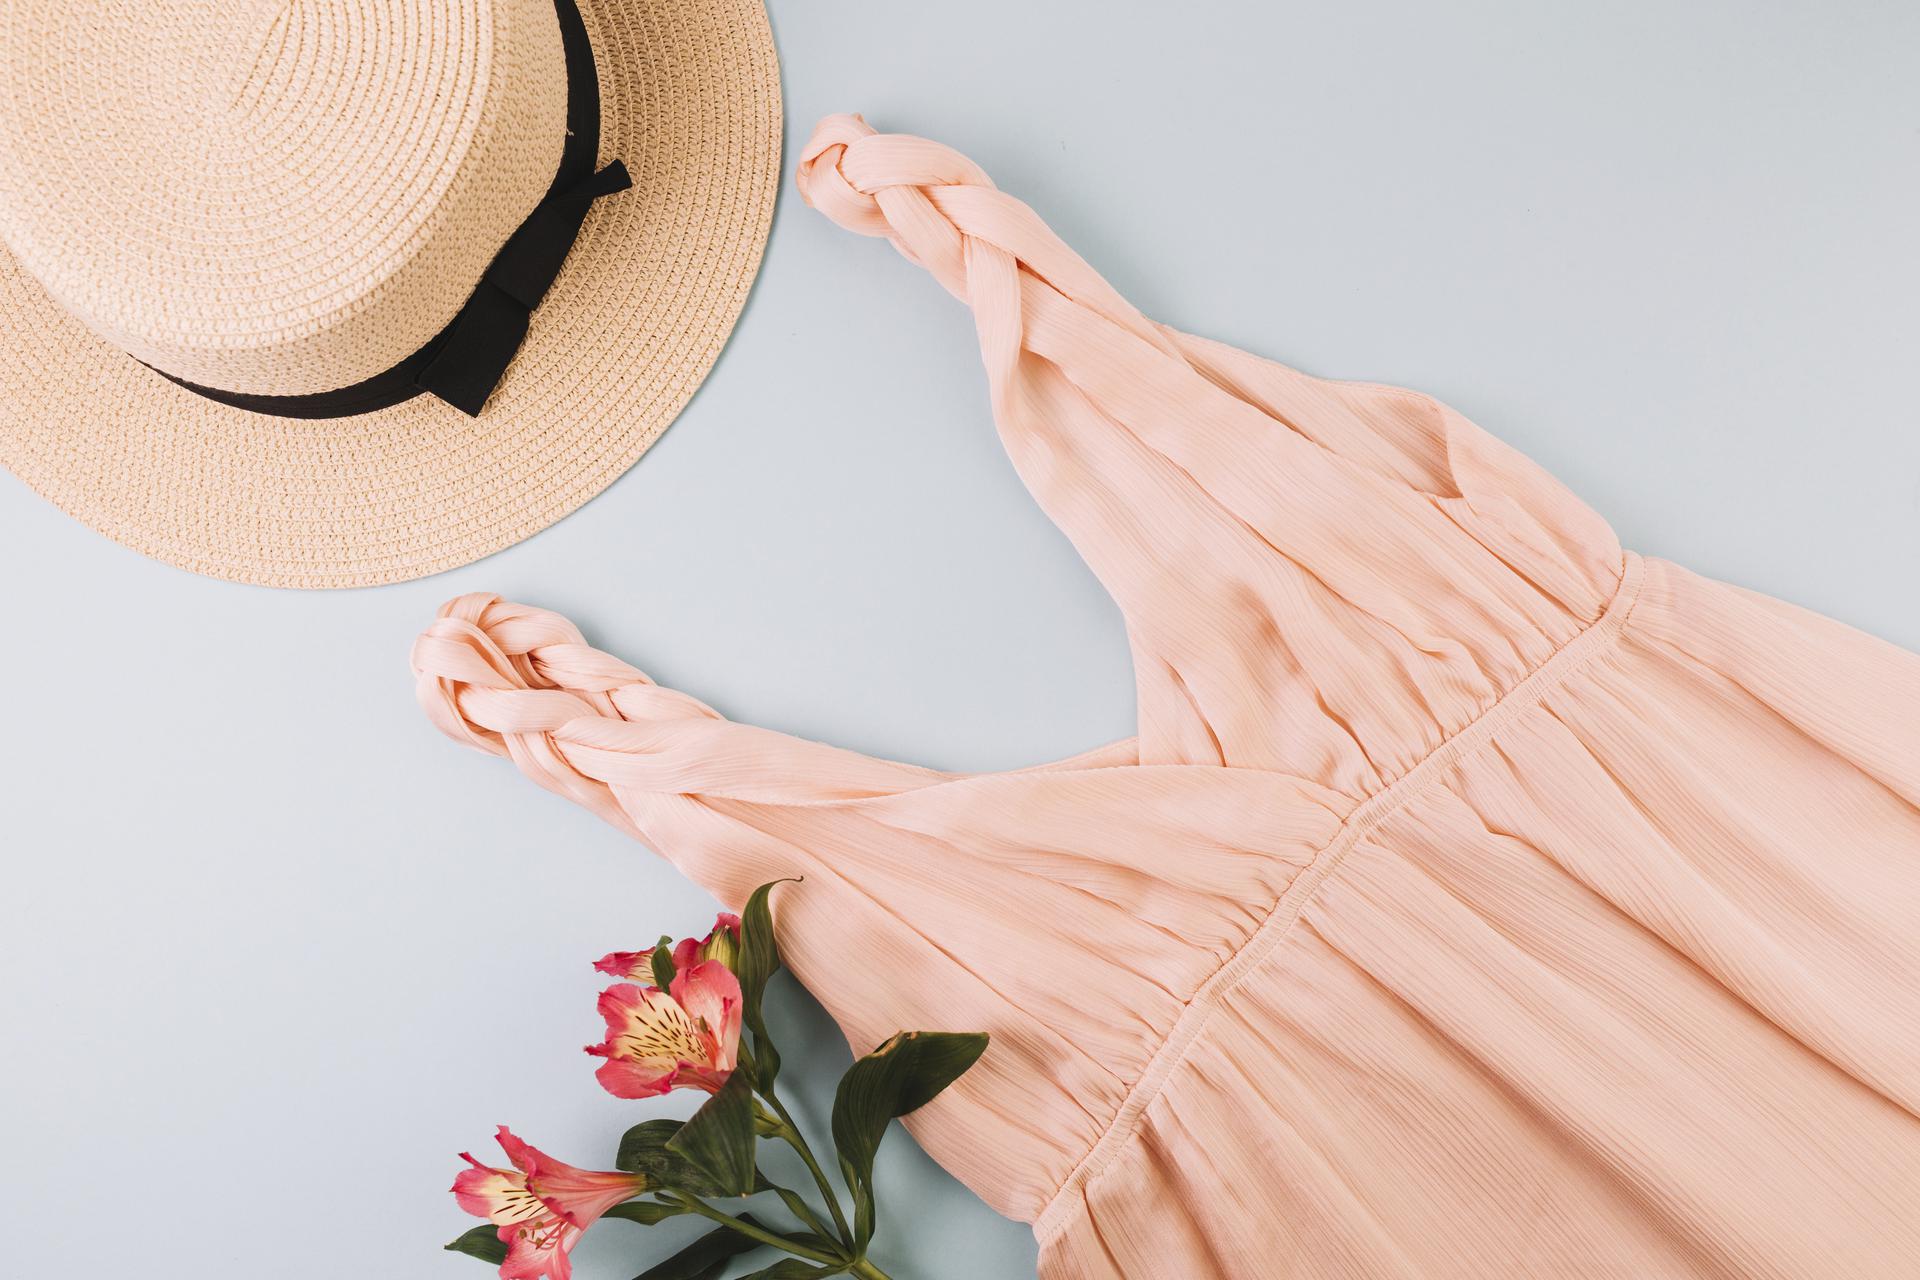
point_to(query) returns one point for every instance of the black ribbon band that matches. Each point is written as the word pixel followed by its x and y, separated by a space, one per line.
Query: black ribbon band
pixel 465 361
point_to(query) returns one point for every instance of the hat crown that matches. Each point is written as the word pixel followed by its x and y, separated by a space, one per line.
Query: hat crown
pixel 273 197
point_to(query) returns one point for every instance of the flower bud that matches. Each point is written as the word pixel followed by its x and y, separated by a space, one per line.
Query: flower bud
pixel 722 943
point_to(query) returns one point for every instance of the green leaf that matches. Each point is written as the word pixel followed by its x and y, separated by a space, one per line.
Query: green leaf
pixel 902 1075
pixel 759 953
pixel 766 1062
pixel 663 969
pixel 814 1240
pixel 706 1257
pixel 718 1140
pixel 643 1149
pixel 797 1205
pixel 759 960
pixel 645 1212
pixel 483 1243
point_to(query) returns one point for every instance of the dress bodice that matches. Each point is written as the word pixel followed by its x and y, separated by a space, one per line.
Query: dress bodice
pixel 1321 582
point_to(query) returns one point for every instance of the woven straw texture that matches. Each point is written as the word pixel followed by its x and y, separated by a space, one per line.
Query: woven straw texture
pixel 330 198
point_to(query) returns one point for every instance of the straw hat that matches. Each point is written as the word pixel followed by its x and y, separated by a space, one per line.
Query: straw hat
pixel 325 293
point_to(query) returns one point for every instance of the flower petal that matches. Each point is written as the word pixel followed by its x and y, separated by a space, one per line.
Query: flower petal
pixel 646 1025
pixel 633 966
pixel 517 1151
pixel 580 1196
pixel 498 1195
pixel 631 1080
pixel 539 1250
pixel 710 993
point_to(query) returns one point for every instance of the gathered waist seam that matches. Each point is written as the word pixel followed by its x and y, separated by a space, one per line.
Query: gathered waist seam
pixel 1560 666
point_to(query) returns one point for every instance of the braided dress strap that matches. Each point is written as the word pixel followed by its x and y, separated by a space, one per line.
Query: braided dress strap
pixel 522 682
pixel 943 213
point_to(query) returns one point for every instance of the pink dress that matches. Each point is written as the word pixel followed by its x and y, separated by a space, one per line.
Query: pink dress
pixel 1476 900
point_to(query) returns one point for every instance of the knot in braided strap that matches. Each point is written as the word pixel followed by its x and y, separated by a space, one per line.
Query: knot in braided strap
pixel 942 212
pixel 893 185
pixel 522 682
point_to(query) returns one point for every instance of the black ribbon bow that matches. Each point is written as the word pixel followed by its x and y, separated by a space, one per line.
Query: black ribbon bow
pixel 477 347
pixel 465 361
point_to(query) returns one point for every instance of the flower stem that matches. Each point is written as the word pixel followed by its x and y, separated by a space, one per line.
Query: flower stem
pixel 867 1271
pixel 791 1135
pixel 750 1230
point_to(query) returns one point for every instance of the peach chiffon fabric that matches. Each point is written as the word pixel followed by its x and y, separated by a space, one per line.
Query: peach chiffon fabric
pixel 1476 900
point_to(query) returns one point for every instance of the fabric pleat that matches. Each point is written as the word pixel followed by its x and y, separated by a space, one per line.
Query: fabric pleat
pixel 1476 898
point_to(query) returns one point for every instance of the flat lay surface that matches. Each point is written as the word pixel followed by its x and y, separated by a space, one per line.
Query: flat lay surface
pixel 262 918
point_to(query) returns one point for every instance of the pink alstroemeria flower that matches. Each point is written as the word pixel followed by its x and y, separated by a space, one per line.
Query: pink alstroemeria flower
pixel 686 1037
pixel 541 1205
pixel 722 943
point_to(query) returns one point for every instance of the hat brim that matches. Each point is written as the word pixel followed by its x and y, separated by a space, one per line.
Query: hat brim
pixel 690 101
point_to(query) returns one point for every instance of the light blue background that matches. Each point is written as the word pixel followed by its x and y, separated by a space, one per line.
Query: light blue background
pixel 274 951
